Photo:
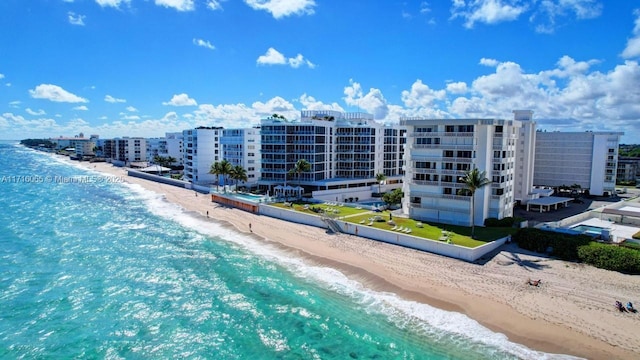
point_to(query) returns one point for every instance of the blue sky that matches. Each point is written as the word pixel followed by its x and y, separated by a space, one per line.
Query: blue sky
pixel 146 67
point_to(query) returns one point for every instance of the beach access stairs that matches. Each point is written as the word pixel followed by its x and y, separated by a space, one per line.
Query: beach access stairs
pixel 331 224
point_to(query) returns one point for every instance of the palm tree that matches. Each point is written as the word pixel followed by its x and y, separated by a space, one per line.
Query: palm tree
pixel 225 170
pixel 163 161
pixel 474 180
pixel 301 166
pixel 238 173
pixel 216 169
pixel 380 177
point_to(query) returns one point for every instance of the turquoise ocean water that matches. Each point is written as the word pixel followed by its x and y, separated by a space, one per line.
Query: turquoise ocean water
pixel 93 268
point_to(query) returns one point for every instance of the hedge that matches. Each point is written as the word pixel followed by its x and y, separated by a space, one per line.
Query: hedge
pixel 611 257
pixel 580 248
pixel 563 246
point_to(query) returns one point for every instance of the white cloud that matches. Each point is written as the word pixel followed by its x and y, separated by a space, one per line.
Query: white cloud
pixel 76 19
pixel 15 103
pixel 421 95
pixel 489 62
pixel 274 57
pixel 35 113
pixel 81 108
pixel 271 57
pixel 131 109
pixel 214 5
pixel 55 93
pixel 310 103
pixel 181 100
pixel 203 43
pixel 633 44
pixel 129 117
pixel 283 8
pixel 373 102
pixel 1 76
pixel 179 5
pixel 111 99
pixel 459 87
pixel 486 11
pixel 113 3
pixel 550 11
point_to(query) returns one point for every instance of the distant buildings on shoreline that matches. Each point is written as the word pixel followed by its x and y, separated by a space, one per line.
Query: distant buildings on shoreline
pixel 349 152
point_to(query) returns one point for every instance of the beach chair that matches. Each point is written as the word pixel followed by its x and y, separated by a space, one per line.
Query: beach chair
pixel 395 227
pixel 408 231
pixel 362 221
pixel 419 224
pixel 370 223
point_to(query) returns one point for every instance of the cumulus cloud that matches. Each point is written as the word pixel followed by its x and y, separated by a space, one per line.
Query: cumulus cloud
pixel 179 5
pixel 35 113
pixel 283 8
pixel 421 95
pixel 75 19
pixel 111 99
pixel 131 109
pixel 459 87
pixel 372 102
pixel 274 57
pixel 203 43
pixel 81 108
pixel 310 103
pixel 632 50
pixel 55 93
pixel 181 100
pixel 489 62
pixel 113 3
pixel 486 11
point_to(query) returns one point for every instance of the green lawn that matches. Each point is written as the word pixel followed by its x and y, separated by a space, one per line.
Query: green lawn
pixel 333 211
pixel 458 235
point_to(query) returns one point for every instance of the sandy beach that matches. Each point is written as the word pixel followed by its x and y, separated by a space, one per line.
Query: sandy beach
pixel 571 312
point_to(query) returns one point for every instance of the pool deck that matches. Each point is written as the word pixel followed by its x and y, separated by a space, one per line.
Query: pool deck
pixel 618 232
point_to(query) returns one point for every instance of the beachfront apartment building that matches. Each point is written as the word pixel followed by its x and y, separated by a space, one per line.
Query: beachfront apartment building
pixel 345 151
pixel 525 157
pixel 85 148
pixel 438 154
pixel 628 168
pixel 174 146
pixel 126 150
pixel 588 159
pixel 241 147
pixel 156 147
pixel 80 146
pixel 201 148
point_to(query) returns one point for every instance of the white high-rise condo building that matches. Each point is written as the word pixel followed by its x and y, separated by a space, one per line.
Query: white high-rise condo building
pixel 345 151
pixel 201 149
pixel 126 150
pixel 525 157
pixel 588 159
pixel 241 147
pixel 439 153
pixel 174 146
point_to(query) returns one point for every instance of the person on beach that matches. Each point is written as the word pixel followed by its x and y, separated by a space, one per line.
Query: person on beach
pixel 250 227
pixel 207 213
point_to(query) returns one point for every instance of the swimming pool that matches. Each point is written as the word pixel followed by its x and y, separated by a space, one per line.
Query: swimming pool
pixel 371 203
pixel 243 196
pixel 589 229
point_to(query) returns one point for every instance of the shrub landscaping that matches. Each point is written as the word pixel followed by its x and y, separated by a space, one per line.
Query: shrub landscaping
pixel 580 248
